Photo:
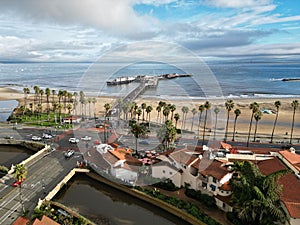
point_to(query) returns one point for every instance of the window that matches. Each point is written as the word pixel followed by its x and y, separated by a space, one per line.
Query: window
pixel 164 171
pixel 212 187
pixel 214 180
pixel 170 173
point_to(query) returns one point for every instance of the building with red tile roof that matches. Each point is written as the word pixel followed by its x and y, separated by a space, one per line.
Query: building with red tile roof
pixel 45 221
pixel 21 221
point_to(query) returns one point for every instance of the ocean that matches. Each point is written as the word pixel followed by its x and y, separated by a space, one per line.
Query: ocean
pixel 212 79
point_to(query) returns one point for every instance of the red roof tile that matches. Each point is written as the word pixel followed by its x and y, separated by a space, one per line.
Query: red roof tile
pixel 270 166
pixel 292 158
pixel 21 221
pixel 215 169
pixel 226 187
pixel 293 208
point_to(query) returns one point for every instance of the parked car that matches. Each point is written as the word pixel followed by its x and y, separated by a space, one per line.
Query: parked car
pixel 69 153
pixel 36 138
pixel 9 137
pixel 47 136
pixel 86 138
pixel 73 140
pixel 17 183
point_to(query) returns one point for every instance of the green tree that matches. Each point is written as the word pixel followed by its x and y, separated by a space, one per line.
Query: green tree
pixel 216 111
pixel 48 93
pixel 137 130
pixel 176 117
pixel 201 109
pixel 158 109
pixel 277 105
pixel 143 106
pixel 256 196
pixel 138 112
pixel 257 117
pixel 148 111
pixel 167 134
pixel 207 106
pixel 194 112
pixel 94 101
pixel 294 105
pixel 229 104
pixel 172 109
pixel 254 107
pixel 107 107
pixel 20 174
pixel 26 91
pixel 237 113
pixel 166 112
pixel 185 111
pixel 75 102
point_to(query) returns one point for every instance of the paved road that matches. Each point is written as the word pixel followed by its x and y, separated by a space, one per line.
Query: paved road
pixel 47 172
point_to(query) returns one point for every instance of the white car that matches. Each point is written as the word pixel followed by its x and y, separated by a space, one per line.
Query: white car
pixel 36 138
pixel 47 136
pixel 86 138
pixel 73 140
pixel 69 153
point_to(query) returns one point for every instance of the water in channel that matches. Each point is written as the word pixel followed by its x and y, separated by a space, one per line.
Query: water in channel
pixel 106 205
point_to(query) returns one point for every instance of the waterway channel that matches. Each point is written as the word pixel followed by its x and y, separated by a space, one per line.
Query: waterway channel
pixel 13 154
pixel 106 205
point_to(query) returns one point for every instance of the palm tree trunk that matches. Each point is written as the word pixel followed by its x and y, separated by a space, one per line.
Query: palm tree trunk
pixel 192 126
pixel 254 137
pixel 226 130
pixel 250 125
pixel 275 121
pixel 293 122
pixel 233 135
pixel 136 146
pixel 215 126
pixel 204 127
pixel 199 123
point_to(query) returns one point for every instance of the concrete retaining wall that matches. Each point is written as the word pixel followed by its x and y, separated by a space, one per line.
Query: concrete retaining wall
pixel 33 146
pixel 63 182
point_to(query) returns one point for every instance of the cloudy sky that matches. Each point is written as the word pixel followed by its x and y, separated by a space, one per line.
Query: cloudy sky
pixel 77 30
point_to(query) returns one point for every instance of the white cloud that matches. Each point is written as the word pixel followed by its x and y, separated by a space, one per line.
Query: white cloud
pixel 236 3
pixel 114 16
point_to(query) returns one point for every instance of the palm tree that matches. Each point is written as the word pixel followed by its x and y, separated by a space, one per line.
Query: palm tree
pixel 20 174
pixel 137 130
pixel 254 107
pixel 237 112
pixel 75 94
pixel 81 100
pixel 257 117
pixel 216 111
pixel 36 93
pixel 143 106
pixel 26 92
pixel 48 92
pixel 107 107
pixel 172 109
pixel 256 197
pixel 89 100
pixel 94 101
pixel 65 95
pixel 167 134
pixel 194 111
pixel 166 112
pixel 41 92
pixel 201 109
pixel 158 109
pixel 207 106
pixel 294 105
pixel 277 104
pixel 148 111
pixel 69 107
pixel 138 112
pixel 229 104
pixel 185 111
pixel 162 105
pixel 53 95
pixel 176 118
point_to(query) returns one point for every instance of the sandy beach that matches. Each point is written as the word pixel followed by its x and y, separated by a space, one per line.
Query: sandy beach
pixel 265 125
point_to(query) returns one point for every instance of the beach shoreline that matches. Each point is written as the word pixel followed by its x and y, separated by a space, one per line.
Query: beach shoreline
pixel 265 125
